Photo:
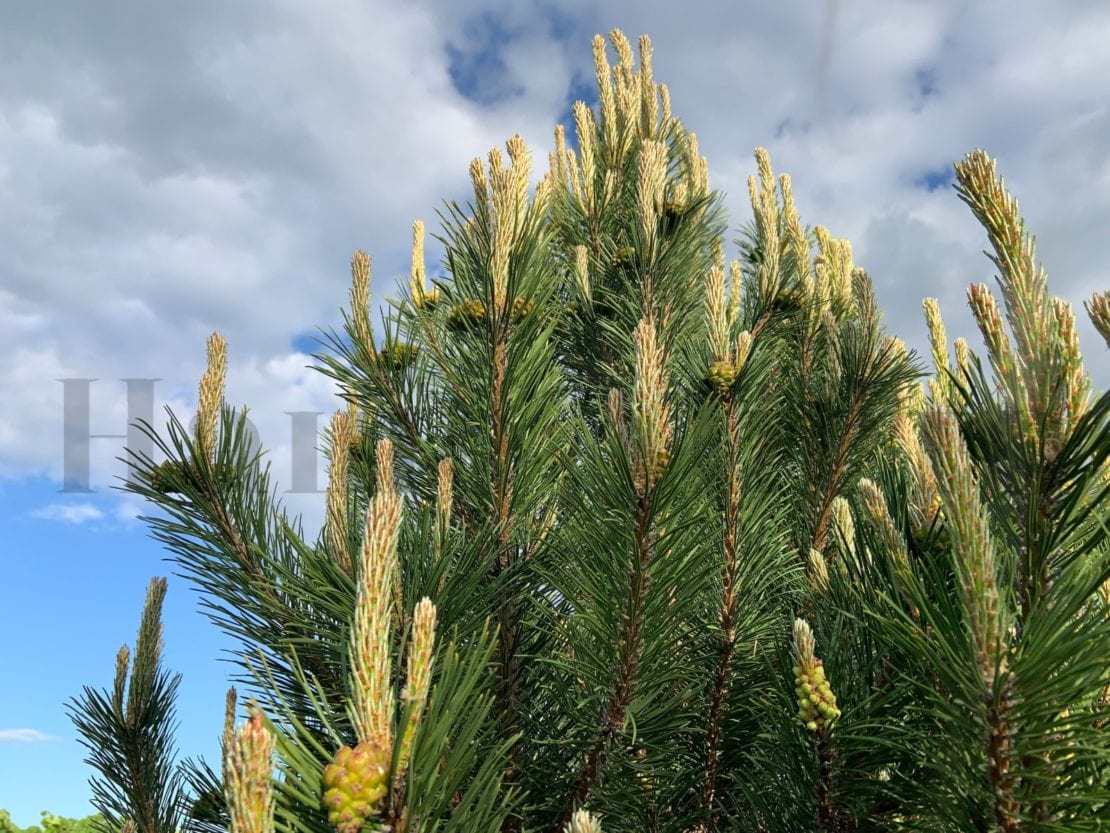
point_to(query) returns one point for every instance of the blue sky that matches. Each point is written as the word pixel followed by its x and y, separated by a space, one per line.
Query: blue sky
pixel 211 166
pixel 71 595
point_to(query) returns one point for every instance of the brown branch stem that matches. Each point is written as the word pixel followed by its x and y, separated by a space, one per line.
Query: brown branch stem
pixel 1000 763
pixel 631 647
pixel 728 615
pixel 501 488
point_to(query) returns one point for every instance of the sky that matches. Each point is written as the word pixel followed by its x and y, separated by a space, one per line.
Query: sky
pixel 167 170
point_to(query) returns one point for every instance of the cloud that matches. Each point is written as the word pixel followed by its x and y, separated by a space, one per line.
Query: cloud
pixel 195 166
pixel 165 175
pixel 24 736
pixel 128 510
pixel 70 513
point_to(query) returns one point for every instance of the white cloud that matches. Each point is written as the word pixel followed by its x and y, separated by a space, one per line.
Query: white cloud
pixel 70 513
pixel 127 511
pixel 132 229
pixel 23 736
pixel 265 142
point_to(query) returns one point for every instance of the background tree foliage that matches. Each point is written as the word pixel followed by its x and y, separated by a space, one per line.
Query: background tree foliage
pixel 50 824
pixel 620 534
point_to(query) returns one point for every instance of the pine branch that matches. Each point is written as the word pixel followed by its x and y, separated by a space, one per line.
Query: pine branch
pixel 130 741
pixel 566 504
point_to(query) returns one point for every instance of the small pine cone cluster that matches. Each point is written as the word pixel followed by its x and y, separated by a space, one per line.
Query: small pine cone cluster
pixel 721 376
pixel 521 307
pixel 427 301
pixel 357 448
pixel 472 312
pixel 396 356
pixel 354 785
pixel 672 214
pixel 788 301
pixel 624 257
pixel 165 477
pixel 816 701
pixel 467 314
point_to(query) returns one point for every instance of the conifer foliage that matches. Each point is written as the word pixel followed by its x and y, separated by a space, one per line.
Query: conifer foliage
pixel 622 536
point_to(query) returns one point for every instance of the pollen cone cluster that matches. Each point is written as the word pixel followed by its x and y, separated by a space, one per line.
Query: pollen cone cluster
pixel 211 396
pixel 354 785
pixel 728 360
pixel 721 375
pixel 358 780
pixel 466 314
pixel 248 772
pixel 422 298
pixel 816 702
pixel 651 414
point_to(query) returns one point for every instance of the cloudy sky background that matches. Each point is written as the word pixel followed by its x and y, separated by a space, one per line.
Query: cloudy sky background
pixel 167 170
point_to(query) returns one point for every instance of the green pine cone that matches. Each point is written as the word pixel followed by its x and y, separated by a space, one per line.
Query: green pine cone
pixel 354 785
pixel 521 308
pixel 427 301
pixel 673 212
pixel 788 301
pixel 817 707
pixel 721 376
pixel 624 257
pixel 396 356
pixel 467 314
pixel 164 477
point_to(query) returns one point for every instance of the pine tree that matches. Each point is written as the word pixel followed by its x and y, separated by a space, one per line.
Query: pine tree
pixel 129 734
pixel 622 536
